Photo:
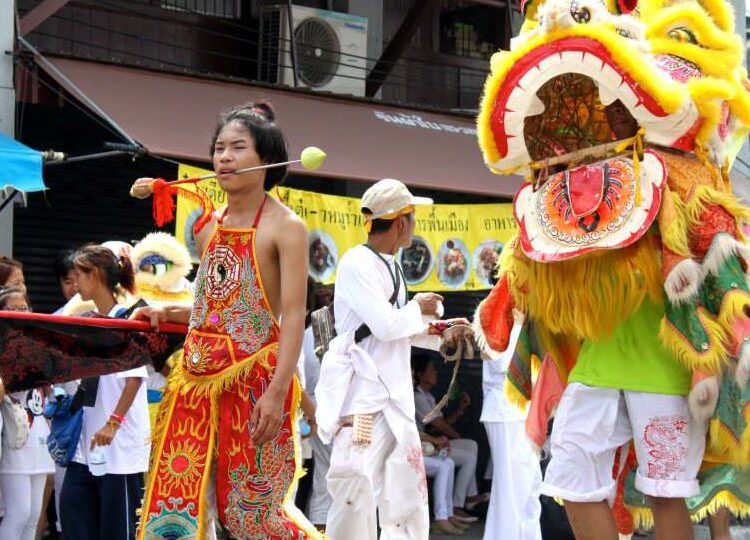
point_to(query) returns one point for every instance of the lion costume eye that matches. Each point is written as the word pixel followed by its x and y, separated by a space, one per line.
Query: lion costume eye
pixel 160 269
pixel 156 265
pixel 580 13
pixel 157 269
pixel 683 35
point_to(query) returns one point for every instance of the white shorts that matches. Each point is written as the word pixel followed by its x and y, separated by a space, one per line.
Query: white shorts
pixel 592 423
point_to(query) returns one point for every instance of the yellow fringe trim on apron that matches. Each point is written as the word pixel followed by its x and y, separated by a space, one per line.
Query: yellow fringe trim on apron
pixel 215 383
pixel 294 513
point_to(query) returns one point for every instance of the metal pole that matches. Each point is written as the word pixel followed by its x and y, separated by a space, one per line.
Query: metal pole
pixel 8 198
pixel 77 92
pixel 292 44
pixel 7 112
pixel 99 155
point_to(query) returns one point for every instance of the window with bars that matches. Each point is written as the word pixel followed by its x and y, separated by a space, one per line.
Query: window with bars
pixel 471 30
pixel 228 9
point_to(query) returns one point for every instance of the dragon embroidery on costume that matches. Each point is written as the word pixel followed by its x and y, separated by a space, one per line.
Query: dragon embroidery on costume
pixel 625 120
pixel 664 445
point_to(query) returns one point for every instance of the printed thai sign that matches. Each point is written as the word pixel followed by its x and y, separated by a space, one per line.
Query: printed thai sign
pixel 455 246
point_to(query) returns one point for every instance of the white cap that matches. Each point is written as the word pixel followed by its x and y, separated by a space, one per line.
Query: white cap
pixel 387 198
pixel 119 248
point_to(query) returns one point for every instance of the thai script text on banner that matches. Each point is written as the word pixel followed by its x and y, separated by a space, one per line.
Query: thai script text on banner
pixel 455 246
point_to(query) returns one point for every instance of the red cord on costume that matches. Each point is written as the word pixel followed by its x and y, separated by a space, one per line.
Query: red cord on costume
pixel 164 203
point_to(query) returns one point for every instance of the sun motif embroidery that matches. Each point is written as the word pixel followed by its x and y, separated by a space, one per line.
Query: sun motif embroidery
pixel 180 470
pixel 198 356
pixel 222 273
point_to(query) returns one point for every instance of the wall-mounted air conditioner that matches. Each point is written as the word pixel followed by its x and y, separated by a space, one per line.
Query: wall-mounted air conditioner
pixel 331 49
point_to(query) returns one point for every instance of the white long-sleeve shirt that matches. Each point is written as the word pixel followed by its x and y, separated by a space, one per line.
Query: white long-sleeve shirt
pixel 495 407
pixel 363 290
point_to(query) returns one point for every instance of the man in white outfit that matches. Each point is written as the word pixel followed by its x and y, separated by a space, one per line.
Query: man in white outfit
pixel 515 509
pixel 364 394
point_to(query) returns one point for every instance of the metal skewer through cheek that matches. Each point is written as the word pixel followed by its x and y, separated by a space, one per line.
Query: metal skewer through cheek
pixel 249 169
pixel 311 159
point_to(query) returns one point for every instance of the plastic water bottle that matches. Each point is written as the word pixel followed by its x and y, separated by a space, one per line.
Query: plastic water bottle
pixel 304 427
pixel 97 463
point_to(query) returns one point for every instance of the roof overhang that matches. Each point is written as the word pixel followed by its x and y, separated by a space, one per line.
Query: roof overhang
pixel 174 115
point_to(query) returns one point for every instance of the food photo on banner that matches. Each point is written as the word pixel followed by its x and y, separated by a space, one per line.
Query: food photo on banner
pixel 455 246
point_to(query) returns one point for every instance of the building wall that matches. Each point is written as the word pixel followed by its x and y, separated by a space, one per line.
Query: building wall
pixel 459 78
pixel 142 33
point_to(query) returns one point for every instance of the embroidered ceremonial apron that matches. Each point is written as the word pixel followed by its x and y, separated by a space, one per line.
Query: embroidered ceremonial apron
pixel 204 421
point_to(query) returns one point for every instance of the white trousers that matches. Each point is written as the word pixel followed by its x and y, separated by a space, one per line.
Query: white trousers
pixel 591 423
pixel 464 454
pixel 23 505
pixel 385 478
pixel 442 471
pixel 514 509
pixel 59 478
pixel 320 499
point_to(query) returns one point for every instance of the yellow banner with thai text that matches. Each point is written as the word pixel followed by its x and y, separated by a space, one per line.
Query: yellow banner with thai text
pixel 455 246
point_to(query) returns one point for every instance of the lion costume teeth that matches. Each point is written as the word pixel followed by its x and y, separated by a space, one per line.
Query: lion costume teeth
pixel 677 67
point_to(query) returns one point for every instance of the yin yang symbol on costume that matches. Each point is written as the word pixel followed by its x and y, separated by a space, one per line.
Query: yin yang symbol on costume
pixel 223 275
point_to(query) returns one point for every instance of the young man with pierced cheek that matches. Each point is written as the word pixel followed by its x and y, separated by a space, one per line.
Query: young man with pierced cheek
pixel 226 422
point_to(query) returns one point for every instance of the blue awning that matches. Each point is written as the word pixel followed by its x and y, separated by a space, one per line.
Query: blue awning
pixel 20 166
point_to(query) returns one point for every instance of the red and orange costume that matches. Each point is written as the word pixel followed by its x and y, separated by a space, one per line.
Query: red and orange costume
pixel 203 428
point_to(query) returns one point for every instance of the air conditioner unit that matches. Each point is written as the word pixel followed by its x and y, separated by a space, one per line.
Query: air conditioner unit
pixel 331 49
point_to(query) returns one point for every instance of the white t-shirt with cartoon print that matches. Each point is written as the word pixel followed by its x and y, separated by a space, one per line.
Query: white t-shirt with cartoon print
pixel 129 451
pixel 33 457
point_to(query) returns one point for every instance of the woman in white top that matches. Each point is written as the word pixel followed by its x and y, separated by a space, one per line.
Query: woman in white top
pixel 115 421
pixel 462 451
pixel 442 469
pixel 23 471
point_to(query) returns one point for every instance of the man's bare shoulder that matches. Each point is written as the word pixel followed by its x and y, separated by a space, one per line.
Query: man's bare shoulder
pixel 285 221
pixel 204 235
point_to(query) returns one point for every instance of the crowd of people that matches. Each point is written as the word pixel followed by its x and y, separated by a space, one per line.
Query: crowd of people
pixel 377 442
pixel 274 368
pixel 115 417
pixel 84 503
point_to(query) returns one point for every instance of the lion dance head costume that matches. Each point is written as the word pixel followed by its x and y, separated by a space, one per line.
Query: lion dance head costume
pixel 162 265
pixel 625 120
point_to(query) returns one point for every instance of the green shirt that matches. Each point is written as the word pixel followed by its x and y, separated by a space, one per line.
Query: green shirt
pixel 633 358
